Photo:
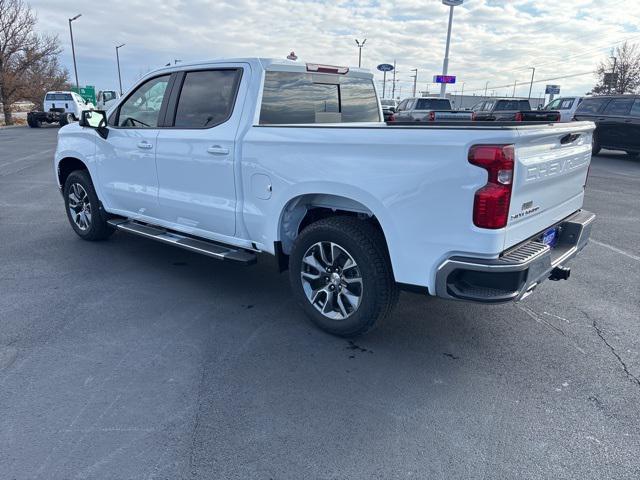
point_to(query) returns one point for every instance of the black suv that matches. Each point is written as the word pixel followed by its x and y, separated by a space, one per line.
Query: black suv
pixel 617 120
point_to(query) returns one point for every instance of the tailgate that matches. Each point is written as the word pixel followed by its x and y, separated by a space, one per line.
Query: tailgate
pixel 550 173
pixel 540 116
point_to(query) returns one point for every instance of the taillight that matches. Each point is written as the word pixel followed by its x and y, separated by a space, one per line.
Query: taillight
pixel 557 118
pixel 473 116
pixel 432 116
pixel 491 202
pixel 519 117
pixel 392 118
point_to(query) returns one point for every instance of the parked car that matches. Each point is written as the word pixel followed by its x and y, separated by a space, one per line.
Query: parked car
pixel 510 109
pixel 232 158
pixel 58 107
pixel 389 104
pixel 425 109
pixel 566 106
pixel 617 119
pixel 388 109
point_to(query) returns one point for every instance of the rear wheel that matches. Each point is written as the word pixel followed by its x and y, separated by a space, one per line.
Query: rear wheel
pixel 83 207
pixel 341 275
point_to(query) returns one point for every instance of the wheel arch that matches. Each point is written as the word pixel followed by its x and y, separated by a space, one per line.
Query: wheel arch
pixel 66 166
pixel 307 208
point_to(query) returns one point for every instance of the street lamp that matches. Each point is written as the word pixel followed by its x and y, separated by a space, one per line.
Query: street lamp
pixel 415 80
pixel 445 64
pixel 360 45
pixel 118 61
pixel 533 72
pixel 73 50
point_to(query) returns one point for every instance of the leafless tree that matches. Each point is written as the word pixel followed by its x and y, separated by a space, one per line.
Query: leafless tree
pixel 626 78
pixel 27 59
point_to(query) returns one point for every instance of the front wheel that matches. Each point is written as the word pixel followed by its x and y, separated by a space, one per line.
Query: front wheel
pixel 341 275
pixel 595 146
pixel 83 207
pixel 66 119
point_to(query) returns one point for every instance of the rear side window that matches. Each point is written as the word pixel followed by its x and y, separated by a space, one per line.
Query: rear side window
pixel 619 106
pixel 207 98
pixel 635 109
pixel 433 104
pixel 295 98
pixel 58 96
pixel 591 105
pixel 566 104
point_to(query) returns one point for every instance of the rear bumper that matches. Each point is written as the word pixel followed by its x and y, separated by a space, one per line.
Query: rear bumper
pixel 519 270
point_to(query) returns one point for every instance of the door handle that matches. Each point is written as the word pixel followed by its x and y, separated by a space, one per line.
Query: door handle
pixel 218 150
pixel 145 145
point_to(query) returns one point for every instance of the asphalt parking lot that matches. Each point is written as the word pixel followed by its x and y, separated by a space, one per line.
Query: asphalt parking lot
pixel 131 359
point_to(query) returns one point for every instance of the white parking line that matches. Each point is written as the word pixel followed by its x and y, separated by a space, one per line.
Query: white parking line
pixel 617 250
pixel 16 160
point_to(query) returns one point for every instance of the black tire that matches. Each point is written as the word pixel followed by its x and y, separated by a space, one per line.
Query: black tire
pixel 378 292
pixel 595 146
pixel 632 154
pixel 66 119
pixel 33 122
pixel 95 226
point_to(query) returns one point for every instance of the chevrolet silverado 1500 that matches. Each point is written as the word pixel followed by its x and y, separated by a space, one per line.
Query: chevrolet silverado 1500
pixel 232 158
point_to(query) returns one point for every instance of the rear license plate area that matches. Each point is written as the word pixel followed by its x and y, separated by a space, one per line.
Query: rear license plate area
pixel 550 237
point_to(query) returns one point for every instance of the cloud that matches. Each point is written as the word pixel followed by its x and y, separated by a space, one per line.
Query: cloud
pixel 494 41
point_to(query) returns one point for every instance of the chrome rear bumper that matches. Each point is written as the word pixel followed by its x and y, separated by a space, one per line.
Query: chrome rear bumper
pixel 519 270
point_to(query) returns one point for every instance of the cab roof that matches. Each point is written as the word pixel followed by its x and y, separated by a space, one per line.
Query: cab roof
pixel 266 64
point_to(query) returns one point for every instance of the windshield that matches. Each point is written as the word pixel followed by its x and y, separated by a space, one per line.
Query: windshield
pixel 433 104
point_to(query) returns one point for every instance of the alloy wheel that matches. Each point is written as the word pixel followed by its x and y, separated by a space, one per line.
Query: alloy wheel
pixel 79 206
pixel 331 280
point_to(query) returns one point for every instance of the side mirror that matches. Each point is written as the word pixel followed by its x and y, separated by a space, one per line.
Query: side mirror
pixel 96 119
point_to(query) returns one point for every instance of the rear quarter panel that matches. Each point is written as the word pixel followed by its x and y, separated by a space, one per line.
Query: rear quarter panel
pixel 416 181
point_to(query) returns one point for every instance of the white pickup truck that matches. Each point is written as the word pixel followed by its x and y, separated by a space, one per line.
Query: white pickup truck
pixel 232 158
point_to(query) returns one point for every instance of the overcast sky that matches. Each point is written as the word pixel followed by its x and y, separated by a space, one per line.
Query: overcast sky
pixel 493 40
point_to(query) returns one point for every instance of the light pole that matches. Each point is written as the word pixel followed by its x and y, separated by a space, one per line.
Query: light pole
pixel 360 45
pixel 533 72
pixel 415 80
pixel 613 73
pixel 461 95
pixel 73 50
pixel 393 87
pixel 445 63
pixel 486 86
pixel 118 62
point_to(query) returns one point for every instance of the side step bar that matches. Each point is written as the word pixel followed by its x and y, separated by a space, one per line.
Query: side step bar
pixel 204 247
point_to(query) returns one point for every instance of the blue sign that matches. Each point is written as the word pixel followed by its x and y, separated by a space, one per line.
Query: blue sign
pixel 552 90
pixel 444 79
pixel 385 67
